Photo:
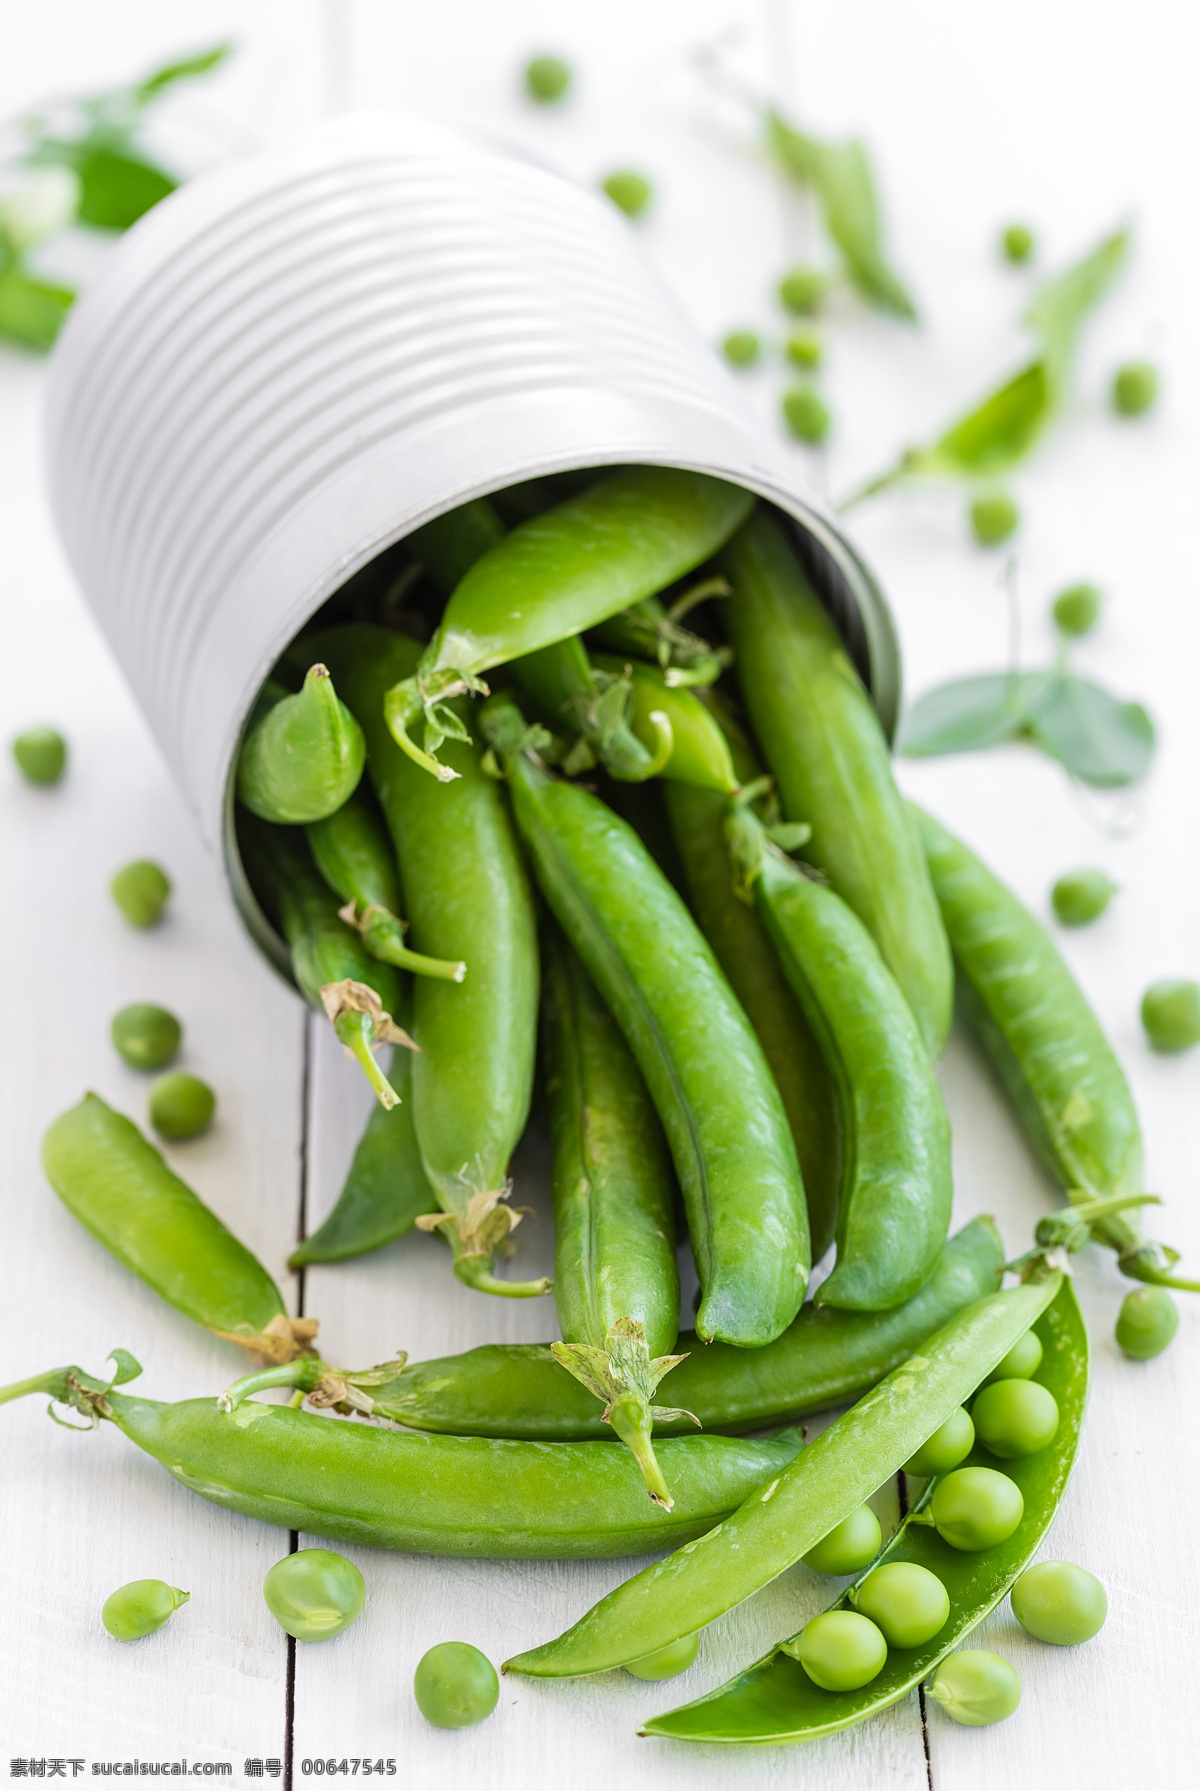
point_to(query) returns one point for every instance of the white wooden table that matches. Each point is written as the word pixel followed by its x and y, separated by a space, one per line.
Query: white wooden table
pixel 1073 117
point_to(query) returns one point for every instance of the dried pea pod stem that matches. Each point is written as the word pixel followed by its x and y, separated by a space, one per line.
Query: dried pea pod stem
pixel 632 532
pixel 1045 1044
pixel 825 1358
pixel 118 1185
pixel 616 1279
pixel 465 891
pixel 464 1496
pixel 894 1201
pixel 775 1701
pixel 828 755
pixel 781 1522
pixel 710 1083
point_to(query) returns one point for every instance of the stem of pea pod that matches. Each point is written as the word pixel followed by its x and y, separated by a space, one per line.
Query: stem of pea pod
pixel 383 935
pixel 319 1383
pixel 622 1374
pixel 476 1234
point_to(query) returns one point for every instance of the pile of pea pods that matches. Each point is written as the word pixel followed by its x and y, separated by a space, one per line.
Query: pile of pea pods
pixel 578 790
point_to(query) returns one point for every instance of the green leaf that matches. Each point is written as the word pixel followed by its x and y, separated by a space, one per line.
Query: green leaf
pixel 31 311
pixel 840 175
pixel 117 189
pixel 1096 737
pixel 1059 309
pixel 968 714
pixel 994 436
pixel 187 68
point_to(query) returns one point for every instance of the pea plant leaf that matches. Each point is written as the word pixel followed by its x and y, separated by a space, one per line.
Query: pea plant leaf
pixel 31 311
pixel 115 188
pixel 1092 734
pixel 1001 430
pixel 840 176
pixel 185 68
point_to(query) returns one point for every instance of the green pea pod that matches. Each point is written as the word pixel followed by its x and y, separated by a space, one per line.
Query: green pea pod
pixel 464 882
pixel 354 855
pixel 118 1185
pixel 746 955
pixel 775 1700
pixel 1045 1044
pixel 634 531
pixel 450 545
pixel 829 758
pixel 894 1201
pixel 386 1190
pixel 710 1082
pixel 650 630
pixel 699 751
pixel 824 1358
pixel 783 1520
pixel 357 993
pixel 616 1280
pixel 465 1496
pixel 303 757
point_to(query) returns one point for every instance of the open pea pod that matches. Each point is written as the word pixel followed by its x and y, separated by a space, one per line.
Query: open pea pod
pixel 775 1700
pixel 633 532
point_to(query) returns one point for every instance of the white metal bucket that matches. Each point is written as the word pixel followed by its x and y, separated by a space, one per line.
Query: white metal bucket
pixel 291 363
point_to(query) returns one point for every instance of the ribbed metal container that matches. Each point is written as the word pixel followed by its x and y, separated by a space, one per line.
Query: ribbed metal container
pixel 293 362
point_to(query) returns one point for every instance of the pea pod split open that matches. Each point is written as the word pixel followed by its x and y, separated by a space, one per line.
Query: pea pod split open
pixel 120 1187
pixel 710 1083
pixel 775 1700
pixel 783 1520
pixel 627 536
pixel 434 1495
pixel 1046 1045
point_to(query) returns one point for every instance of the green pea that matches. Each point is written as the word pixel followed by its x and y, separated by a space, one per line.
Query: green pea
pixel 801 291
pixel 314 1594
pixel 1135 388
pixel 951 1443
pixel 976 1688
pixel 839 1650
pixel 1077 609
pixel 455 1685
pixel 1059 1602
pixel 146 1036
pixel 804 349
pixel 1017 244
pixel 666 1662
pixel 994 519
pixel 850 1547
pixel 907 1602
pixel 742 348
pixel 1171 1014
pixel 1080 897
pixel 140 891
pixel 1148 1320
pixel 1015 1418
pixel 629 191
pixel 975 1508
pixel 1020 1364
pixel 181 1106
pixel 547 79
pixel 806 414
pixel 140 1608
pixel 41 755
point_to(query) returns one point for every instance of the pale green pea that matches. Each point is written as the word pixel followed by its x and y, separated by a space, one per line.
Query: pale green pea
pixel 1148 1320
pixel 1171 1014
pixel 1015 1418
pixel 147 1037
pixel 1017 244
pixel 976 1688
pixel 850 1547
pixel 806 414
pixel 803 349
pixel 993 519
pixel 181 1106
pixel 140 1608
pixel 455 1686
pixel 1077 609
pixel 1080 897
pixel 951 1443
pixel 976 1508
pixel 40 755
pixel 666 1662
pixel 1135 388
pixel 314 1594
pixel 840 1651
pixel 547 79
pixel 1060 1603
pixel 742 348
pixel 140 891
pixel 1022 1361
pixel 907 1602
pixel 801 290
pixel 629 191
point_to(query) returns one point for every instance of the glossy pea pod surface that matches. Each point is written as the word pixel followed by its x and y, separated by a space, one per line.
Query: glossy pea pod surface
pixel 120 1187
pixel 896 1189
pixel 827 752
pixel 1039 1032
pixel 789 1516
pixel 466 1496
pixel 616 1278
pixel 775 1701
pixel 825 1358
pixel 630 534
pixel 704 1067
pixel 467 895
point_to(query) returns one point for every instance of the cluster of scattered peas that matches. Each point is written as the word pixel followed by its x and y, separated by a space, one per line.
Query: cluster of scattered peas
pixel 550 81
pixel 148 1037
pixel 314 1594
pixel 903 1605
pixel 800 293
